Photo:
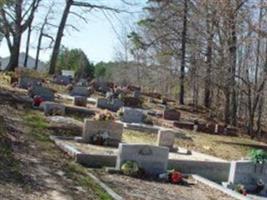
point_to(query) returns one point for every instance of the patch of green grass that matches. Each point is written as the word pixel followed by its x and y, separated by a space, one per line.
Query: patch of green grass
pixel 38 125
pixel 130 136
pixel 78 173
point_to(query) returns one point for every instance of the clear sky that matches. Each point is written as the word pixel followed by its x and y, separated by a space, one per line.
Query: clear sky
pixel 97 38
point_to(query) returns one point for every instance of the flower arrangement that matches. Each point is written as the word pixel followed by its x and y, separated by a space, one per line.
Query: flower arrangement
pixel 258 156
pixel 104 116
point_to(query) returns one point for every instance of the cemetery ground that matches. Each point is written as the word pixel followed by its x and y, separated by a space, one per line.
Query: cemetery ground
pixel 33 167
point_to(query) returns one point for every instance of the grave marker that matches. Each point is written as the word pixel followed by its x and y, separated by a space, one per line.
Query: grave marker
pixel 80 91
pixel 166 138
pixel 171 114
pixel 80 101
pixel 112 105
pixel 131 115
pixel 26 82
pixel 110 131
pixel 152 159
pixel 44 92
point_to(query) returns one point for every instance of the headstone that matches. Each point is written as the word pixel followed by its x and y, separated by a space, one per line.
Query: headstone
pixel 44 92
pixel 80 91
pixel 171 114
pixel 248 174
pixel 131 115
pixel 110 131
pixel 64 80
pixel 102 86
pixel 26 82
pixel 166 138
pixel 152 159
pixel 80 101
pixel 112 105
pixel 51 108
pixel 68 73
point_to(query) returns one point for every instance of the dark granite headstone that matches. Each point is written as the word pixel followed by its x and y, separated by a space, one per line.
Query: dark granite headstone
pixel 171 114
pixel 46 93
pixel 64 80
pixel 26 82
pixel 80 91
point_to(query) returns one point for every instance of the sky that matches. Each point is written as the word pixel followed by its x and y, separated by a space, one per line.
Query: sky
pixel 98 38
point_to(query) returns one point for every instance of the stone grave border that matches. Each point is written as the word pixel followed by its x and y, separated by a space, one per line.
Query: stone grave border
pixel 203 168
pixel 219 187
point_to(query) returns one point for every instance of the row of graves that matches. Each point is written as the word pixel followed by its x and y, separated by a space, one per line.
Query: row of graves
pixel 101 145
pixel 101 142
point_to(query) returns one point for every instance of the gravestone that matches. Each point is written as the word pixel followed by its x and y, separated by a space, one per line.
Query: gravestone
pixel 152 159
pixel 44 92
pixel 131 115
pixel 248 174
pixel 26 82
pixel 166 138
pixel 110 131
pixel 51 108
pixel 80 91
pixel 61 79
pixel 171 114
pixel 112 105
pixel 80 101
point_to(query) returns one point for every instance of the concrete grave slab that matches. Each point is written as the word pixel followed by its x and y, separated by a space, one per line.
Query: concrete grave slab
pixel 131 115
pixel 51 108
pixel 153 159
pixel 111 130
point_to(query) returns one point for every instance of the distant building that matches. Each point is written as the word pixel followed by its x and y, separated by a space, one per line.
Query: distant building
pixel 30 64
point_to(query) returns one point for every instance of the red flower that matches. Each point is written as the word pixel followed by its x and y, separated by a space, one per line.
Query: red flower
pixel 176 177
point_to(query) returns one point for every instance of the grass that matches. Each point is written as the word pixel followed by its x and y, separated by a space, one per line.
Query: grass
pixel 226 147
pixel 78 174
pixel 40 134
pixel 139 137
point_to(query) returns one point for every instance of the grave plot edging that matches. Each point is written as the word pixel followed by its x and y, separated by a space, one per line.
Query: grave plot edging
pixel 220 188
pixel 213 170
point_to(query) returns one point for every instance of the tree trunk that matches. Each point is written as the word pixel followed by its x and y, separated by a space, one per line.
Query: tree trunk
pixel 233 59
pixel 14 54
pixel 28 45
pixel 59 36
pixel 182 70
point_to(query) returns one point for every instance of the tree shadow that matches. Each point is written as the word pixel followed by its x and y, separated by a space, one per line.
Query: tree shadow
pixel 255 146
